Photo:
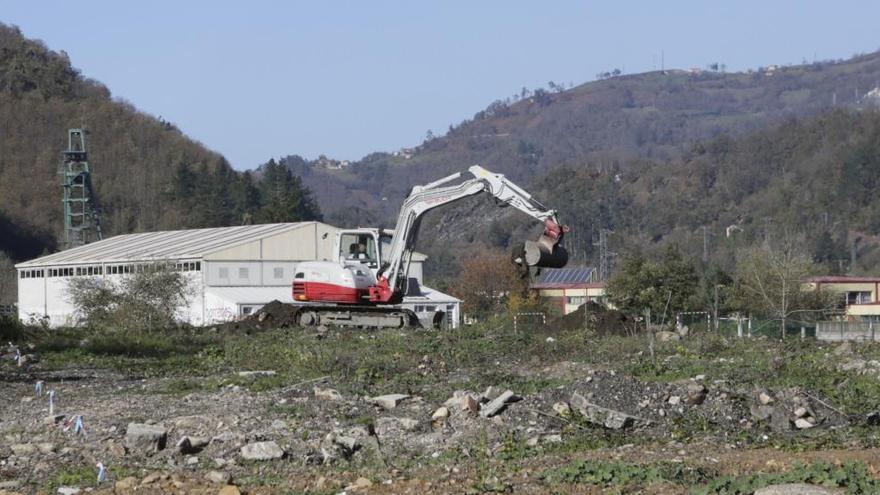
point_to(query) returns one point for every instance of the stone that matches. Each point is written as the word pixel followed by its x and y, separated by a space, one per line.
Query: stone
pixel 599 415
pixel 221 477
pixel 562 409
pixel 191 445
pixel 10 485
pixel 696 393
pixel 674 400
pixel 389 401
pixel 803 424
pixel 761 413
pixel 801 412
pixel 384 426
pixel 764 398
pixel 554 438
pixel 360 484
pixel 795 489
pixel 338 447
pixel 490 393
pixel 498 404
pixel 873 419
pixel 125 484
pixel 153 478
pixel 145 438
pixel 226 436
pixel 192 460
pixel 779 421
pixel 68 490
pixel 23 449
pixel 667 336
pixel 470 405
pixel 53 419
pixel 261 451
pixel 532 442
pixel 326 394
pixel 256 374
pixel 438 419
pixel 46 447
pixel 229 490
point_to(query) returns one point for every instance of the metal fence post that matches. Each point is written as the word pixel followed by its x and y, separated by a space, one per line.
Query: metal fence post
pixel 803 333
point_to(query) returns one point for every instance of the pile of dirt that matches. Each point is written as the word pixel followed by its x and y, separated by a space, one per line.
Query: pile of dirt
pixel 598 318
pixel 275 314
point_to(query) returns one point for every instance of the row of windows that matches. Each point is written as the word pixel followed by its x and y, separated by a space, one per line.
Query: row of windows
pixel 79 271
pixel 430 308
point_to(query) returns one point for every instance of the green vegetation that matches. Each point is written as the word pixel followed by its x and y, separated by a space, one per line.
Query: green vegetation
pixel 619 475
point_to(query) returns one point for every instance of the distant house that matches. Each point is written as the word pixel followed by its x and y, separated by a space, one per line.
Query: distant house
pixel 569 288
pixel 860 296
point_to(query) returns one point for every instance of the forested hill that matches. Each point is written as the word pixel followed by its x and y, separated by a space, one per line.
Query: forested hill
pixel 601 124
pixel 148 174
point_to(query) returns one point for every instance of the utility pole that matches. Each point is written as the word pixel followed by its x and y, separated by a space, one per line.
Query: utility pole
pixel 604 254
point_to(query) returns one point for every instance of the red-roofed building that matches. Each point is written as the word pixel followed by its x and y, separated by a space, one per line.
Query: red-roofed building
pixel 569 288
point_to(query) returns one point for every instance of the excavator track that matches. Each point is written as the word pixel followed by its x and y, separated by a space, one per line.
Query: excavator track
pixel 355 316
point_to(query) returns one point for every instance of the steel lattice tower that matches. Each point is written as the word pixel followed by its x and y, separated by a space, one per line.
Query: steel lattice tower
pixel 81 221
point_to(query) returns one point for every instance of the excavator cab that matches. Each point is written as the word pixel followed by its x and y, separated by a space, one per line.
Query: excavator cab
pixel 358 246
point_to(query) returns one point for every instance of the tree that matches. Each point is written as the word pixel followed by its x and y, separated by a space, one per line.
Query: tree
pixel 284 198
pixel 8 281
pixel 139 301
pixel 486 281
pixel 664 287
pixel 769 281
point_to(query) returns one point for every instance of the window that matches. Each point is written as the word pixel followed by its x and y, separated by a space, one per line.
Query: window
pixel 420 309
pixel 198 265
pixel 430 309
pixel 300 275
pixel 243 272
pixel 278 272
pixel 858 297
pixel 246 310
pixel 575 300
pixel 358 247
pixel 223 272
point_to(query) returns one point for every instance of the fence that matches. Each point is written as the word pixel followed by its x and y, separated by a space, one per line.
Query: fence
pixel 834 331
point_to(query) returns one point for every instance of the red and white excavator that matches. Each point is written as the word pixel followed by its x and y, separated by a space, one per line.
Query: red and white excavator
pixel 365 285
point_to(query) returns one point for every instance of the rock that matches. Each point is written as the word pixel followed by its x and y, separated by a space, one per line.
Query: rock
pixel 145 438
pixel 599 415
pixel 191 445
pixel 68 490
pixel 562 409
pixel 226 436
pixel 326 394
pixel 779 421
pixel 801 412
pixel 360 484
pixel 555 438
pixel 843 349
pixel 277 424
pixel 53 419
pixel 873 419
pixel 795 489
pixel 384 426
pixel 261 451
pixel 761 413
pixel 126 484
pixel 153 478
pixel 46 447
pixel 699 378
pixel 696 393
pixel 255 374
pixel 803 424
pixel 389 401
pixel 764 398
pixel 667 336
pixel 338 447
pixel 218 477
pixel 438 419
pixel 470 405
pixel 674 400
pixel 498 404
pixel 490 393
pixel 229 490
pixel 532 442
pixel 191 460
pixel 23 449
pixel 10 485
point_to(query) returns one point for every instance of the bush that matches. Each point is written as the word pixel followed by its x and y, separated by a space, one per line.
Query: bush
pixel 11 330
pixel 141 301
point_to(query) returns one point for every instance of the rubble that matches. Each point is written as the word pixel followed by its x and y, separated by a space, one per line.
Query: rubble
pixel 145 438
pixel 326 394
pixel 261 451
pixel 498 404
pixel 389 401
pixel 599 415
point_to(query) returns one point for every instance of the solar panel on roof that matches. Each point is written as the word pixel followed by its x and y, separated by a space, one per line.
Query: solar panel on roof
pixel 574 275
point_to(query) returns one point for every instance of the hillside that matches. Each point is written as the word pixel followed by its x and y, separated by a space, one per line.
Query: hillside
pixel 655 115
pixel 607 153
pixel 148 174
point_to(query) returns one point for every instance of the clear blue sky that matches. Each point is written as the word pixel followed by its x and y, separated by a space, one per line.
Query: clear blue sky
pixel 258 79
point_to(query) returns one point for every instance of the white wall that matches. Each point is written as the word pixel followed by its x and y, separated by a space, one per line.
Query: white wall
pixel 233 273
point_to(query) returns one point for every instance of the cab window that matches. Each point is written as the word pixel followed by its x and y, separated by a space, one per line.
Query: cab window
pixel 358 247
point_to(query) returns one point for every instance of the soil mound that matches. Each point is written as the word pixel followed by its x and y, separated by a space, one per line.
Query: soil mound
pixel 595 316
pixel 275 314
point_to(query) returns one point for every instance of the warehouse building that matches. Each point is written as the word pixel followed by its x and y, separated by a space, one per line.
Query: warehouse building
pixel 233 271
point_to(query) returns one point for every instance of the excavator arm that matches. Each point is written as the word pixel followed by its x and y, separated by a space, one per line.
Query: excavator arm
pixel 546 252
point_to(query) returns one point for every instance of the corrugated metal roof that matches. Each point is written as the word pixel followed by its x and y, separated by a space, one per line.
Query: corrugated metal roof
pixel 573 275
pixel 168 245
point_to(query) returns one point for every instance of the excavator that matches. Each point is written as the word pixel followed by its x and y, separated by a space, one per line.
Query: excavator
pixel 367 282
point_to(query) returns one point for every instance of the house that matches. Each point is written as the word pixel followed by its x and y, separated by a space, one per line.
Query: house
pixel 233 271
pixel 859 295
pixel 569 288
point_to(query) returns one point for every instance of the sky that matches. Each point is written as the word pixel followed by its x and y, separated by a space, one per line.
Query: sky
pixel 260 79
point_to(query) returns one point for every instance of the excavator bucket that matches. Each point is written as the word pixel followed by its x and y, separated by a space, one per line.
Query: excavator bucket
pixel 546 252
